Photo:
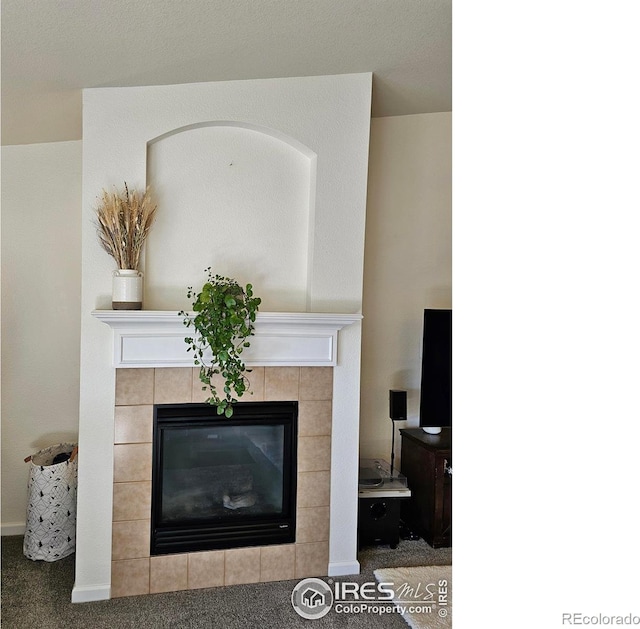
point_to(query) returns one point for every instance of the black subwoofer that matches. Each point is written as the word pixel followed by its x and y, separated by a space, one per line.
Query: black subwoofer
pixel 379 521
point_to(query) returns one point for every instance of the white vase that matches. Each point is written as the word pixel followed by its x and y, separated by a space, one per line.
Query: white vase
pixel 127 290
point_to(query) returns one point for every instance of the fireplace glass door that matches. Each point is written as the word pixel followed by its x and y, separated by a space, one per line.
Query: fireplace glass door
pixel 223 483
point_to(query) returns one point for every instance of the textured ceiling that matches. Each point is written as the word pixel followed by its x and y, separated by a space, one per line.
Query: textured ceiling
pixel 51 49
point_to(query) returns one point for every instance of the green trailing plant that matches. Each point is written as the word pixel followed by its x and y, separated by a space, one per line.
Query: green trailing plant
pixel 224 317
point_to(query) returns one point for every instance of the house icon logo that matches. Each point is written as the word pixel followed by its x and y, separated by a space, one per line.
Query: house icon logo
pixel 312 598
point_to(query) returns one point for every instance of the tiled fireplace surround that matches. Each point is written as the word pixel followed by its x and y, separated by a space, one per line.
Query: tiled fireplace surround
pixel 133 571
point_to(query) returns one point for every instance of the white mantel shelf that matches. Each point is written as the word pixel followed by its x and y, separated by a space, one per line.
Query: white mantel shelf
pixel 154 338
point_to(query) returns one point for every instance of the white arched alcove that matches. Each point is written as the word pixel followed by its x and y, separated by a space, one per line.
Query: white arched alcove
pixel 234 197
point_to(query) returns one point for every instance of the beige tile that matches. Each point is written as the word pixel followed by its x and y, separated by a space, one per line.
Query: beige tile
pixel 281 383
pixel 206 570
pixel 316 383
pixel 173 385
pixel 313 489
pixel 314 454
pixel 241 565
pixel 197 394
pixel 131 462
pixel 134 424
pixel 130 539
pixel 134 386
pixel 277 563
pixel 129 577
pixel 312 560
pixel 256 385
pixel 312 525
pixel 314 418
pixel 132 501
pixel 168 573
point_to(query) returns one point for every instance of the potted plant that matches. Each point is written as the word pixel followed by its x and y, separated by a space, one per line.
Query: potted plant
pixel 123 223
pixel 224 316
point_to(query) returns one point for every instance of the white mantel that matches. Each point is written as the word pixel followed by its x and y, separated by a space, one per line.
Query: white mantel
pixel 153 338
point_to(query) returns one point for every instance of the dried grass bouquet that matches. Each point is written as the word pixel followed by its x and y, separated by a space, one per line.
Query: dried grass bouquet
pixel 123 222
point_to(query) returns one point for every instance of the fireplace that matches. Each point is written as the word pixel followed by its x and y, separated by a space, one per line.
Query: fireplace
pixel 222 482
pixel 321 124
pixel 140 394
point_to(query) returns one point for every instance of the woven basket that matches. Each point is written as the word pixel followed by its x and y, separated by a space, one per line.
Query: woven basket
pixel 51 512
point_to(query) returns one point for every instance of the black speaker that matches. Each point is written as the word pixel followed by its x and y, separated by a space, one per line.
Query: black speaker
pixel 378 521
pixel 397 404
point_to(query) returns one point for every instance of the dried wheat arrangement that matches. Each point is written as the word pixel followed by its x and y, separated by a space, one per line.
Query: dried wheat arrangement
pixel 123 222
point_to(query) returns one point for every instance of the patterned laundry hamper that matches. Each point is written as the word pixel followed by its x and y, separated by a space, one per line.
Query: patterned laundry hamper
pixel 51 513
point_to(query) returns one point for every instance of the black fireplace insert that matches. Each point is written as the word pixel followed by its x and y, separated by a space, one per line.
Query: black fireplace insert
pixel 222 482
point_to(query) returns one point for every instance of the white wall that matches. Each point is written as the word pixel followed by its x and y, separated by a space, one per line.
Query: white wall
pixel 41 195
pixel 407 264
pixel 408 205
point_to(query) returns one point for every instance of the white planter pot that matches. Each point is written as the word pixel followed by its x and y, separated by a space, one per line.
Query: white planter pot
pixel 127 290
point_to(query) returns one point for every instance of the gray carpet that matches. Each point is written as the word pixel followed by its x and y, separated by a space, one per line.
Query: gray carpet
pixel 39 594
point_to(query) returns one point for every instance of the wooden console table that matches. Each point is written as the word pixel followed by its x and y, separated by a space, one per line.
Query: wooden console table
pixel 426 462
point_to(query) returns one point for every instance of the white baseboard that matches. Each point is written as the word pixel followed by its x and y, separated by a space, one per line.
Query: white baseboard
pixel 89 593
pixel 12 528
pixel 342 568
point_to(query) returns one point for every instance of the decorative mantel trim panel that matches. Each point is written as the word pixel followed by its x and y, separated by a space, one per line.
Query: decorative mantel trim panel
pixel 153 338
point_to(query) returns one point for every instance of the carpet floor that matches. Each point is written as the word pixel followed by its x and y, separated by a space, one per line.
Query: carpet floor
pixel 39 594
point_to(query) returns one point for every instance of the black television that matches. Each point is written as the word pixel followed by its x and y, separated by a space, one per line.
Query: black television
pixel 435 385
